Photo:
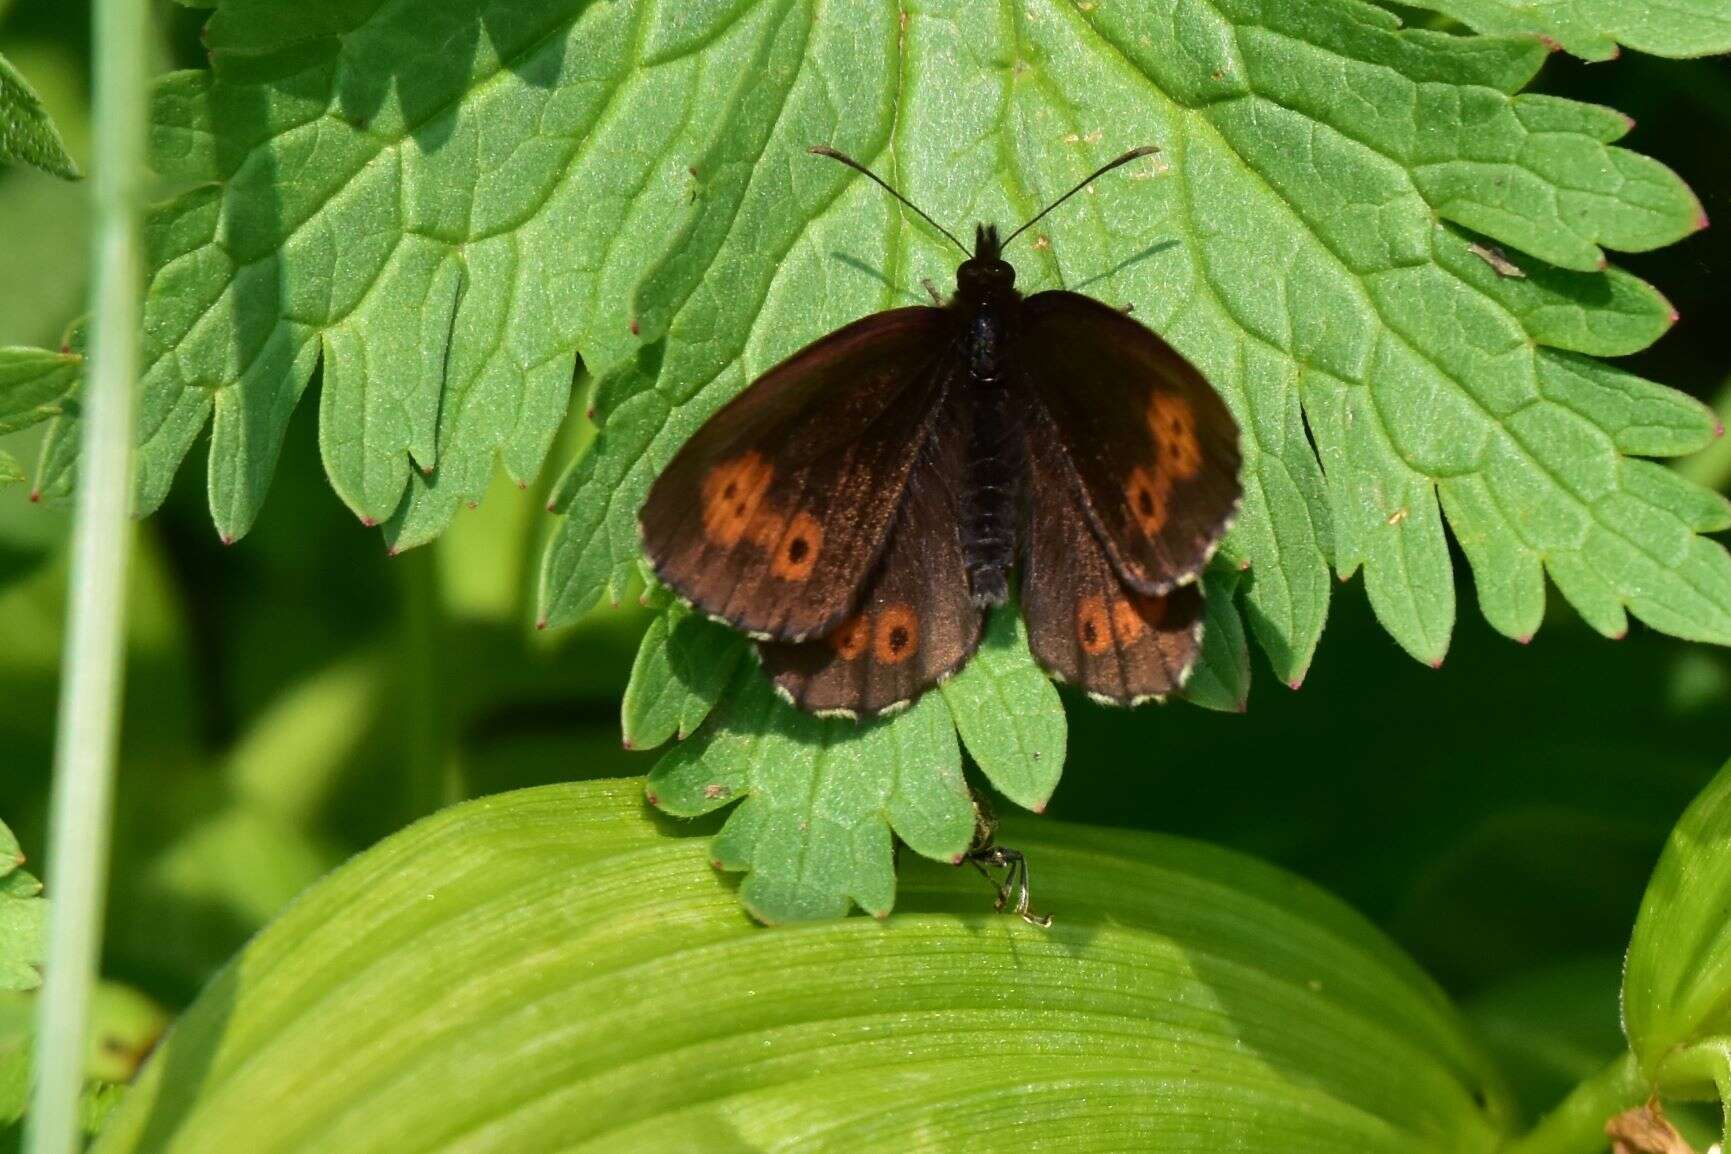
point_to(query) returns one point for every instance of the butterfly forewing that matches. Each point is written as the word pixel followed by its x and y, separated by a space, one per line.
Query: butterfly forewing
pixel 1085 624
pixel 774 513
pixel 916 622
pixel 1147 444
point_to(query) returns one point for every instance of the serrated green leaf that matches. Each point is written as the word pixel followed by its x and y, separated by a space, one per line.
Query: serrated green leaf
pixel 683 665
pixel 22 918
pixel 1592 29
pixel 1009 714
pixel 819 799
pixel 11 473
pixel 27 134
pixel 35 385
pixel 441 202
pixel 1221 679
pixel 1328 144
pixel 593 988
pixel 1677 978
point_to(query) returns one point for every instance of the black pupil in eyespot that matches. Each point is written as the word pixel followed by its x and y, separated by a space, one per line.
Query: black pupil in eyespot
pixel 898 638
pixel 796 549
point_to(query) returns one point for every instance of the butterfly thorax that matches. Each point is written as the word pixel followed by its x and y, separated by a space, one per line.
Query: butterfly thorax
pixel 987 301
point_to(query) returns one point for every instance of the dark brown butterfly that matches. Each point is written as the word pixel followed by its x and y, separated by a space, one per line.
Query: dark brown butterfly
pixel 860 505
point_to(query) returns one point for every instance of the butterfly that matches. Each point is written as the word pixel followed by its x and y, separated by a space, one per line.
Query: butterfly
pixel 861 505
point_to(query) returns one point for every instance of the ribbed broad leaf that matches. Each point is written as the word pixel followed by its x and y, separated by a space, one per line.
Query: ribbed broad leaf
pixel 1677 981
pixel 556 969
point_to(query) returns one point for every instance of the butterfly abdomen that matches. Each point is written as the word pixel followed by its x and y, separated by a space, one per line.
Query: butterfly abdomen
pixel 991 506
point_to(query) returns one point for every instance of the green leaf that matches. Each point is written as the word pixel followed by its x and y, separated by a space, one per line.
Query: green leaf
pixel 26 133
pixel 1677 978
pixel 1592 29
pixel 684 664
pixel 1221 679
pixel 442 204
pixel 1327 143
pixel 35 385
pixel 11 473
pixel 23 915
pixel 819 799
pixel 1009 715
pixel 555 969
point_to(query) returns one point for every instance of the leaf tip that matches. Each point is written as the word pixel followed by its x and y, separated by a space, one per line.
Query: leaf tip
pixel 1701 220
pixel 540 623
pixel 1523 639
pixel 1296 683
pixel 225 538
pixel 636 329
pixel 368 522
pixel 35 496
pixel 653 798
pixel 1435 663
pixel 626 743
pixel 1718 431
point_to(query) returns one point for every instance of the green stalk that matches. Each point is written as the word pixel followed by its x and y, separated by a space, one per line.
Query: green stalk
pixel 1577 1125
pixel 90 692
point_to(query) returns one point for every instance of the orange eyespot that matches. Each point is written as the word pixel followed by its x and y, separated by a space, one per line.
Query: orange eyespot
pixel 732 491
pixel 1173 424
pixel 1147 493
pixel 1127 622
pixel 1093 626
pixel 897 636
pixel 851 637
pixel 796 553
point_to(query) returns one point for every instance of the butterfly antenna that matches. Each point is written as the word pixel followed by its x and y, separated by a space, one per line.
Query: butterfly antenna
pixel 826 150
pixel 1133 154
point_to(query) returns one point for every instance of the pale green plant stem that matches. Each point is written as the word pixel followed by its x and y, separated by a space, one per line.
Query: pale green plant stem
pixel 1577 1125
pixel 91 677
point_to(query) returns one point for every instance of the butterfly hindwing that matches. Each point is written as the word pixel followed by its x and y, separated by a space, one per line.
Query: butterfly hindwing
pixel 1085 624
pixel 773 514
pixel 915 623
pixel 1147 444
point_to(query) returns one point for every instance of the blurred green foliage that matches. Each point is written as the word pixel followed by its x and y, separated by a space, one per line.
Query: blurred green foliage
pixel 295 698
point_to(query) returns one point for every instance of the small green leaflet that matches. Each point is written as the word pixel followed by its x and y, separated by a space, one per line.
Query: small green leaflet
pixel 1592 29
pixel 22 912
pixel 36 386
pixel 1677 980
pixel 26 134
pixel 819 799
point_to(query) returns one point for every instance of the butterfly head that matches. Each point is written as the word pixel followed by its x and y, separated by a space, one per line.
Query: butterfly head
pixel 985 275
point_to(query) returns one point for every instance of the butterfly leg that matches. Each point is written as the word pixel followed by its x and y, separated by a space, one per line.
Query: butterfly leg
pixel 932 291
pixel 1127 309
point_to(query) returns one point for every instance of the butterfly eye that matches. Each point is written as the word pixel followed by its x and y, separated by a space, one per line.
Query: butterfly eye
pixel 897 636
